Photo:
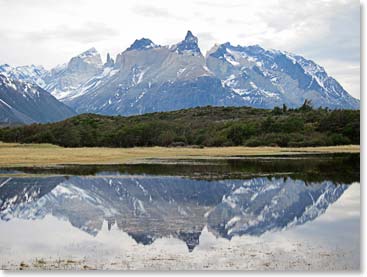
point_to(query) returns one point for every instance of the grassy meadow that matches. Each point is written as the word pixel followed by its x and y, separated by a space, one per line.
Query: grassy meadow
pixel 14 154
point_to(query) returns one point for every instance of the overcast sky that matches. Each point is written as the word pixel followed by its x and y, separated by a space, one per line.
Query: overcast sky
pixel 50 32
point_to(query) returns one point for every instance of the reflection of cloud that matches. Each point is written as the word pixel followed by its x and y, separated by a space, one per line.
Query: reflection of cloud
pixel 90 32
pixel 347 206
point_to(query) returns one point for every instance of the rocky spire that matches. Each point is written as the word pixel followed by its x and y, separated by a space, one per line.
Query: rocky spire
pixel 109 61
pixel 188 45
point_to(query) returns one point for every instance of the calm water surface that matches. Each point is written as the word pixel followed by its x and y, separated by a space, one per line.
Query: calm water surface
pixel 175 215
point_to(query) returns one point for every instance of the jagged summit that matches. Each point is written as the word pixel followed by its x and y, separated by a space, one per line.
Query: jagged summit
pixel 190 37
pixel 66 80
pixel 142 44
pixel 219 50
pixel 188 45
pixel 88 53
pixel 90 56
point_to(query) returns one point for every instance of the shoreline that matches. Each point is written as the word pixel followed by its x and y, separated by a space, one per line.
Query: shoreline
pixel 242 253
pixel 15 155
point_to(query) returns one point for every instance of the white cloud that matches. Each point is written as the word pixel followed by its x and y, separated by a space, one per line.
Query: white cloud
pixel 50 32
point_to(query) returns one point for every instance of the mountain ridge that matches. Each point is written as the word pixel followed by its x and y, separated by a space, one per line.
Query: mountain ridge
pixel 148 77
pixel 25 103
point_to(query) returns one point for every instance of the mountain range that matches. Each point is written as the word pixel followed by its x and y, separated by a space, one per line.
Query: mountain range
pixel 148 77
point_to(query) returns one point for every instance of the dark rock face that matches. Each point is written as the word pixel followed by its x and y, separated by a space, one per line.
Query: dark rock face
pixel 189 44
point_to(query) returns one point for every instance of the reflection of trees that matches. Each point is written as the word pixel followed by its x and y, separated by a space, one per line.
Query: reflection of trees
pixel 338 168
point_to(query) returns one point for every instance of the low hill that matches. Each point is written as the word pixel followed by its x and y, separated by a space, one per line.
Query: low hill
pixel 205 126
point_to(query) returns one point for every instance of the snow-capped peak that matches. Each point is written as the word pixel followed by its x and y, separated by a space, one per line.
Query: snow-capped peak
pixel 29 73
pixel 88 53
pixel 142 44
pixel 90 56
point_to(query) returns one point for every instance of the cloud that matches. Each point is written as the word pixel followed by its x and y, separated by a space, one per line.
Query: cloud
pixel 347 74
pixel 341 39
pixel 154 12
pixel 89 32
pixel 222 4
pixel 38 31
pixel 206 36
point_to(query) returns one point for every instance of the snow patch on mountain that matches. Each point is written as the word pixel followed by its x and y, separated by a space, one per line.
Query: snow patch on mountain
pixel 32 73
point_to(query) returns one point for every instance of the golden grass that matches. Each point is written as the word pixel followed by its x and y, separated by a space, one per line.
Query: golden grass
pixel 13 154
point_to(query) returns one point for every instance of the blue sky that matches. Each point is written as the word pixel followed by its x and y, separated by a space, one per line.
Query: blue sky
pixel 50 32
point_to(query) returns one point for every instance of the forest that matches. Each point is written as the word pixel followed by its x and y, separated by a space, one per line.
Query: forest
pixel 199 127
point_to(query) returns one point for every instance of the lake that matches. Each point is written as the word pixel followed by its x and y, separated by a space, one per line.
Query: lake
pixel 259 213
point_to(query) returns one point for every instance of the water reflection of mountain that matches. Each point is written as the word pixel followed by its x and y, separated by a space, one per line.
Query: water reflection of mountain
pixel 149 207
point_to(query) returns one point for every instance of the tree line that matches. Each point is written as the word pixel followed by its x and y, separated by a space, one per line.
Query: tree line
pixel 204 126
